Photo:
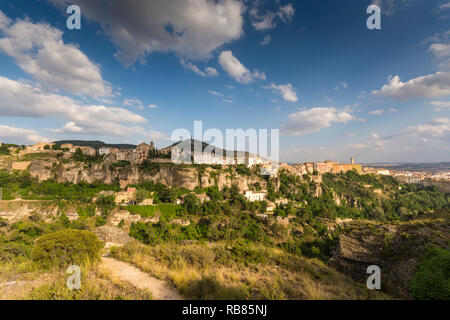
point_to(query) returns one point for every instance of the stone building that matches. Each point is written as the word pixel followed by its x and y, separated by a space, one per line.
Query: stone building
pixel 88 151
pixel 142 152
pixel 255 196
pixel 39 146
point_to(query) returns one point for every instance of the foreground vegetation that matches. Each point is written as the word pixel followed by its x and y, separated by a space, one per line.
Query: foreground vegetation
pixel 226 247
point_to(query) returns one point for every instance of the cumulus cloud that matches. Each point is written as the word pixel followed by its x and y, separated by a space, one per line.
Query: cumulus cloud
pixel 438 127
pixel 237 70
pixel 191 28
pixel 286 90
pixel 313 120
pixel 430 86
pixel 23 100
pixel 19 135
pixel 134 102
pixel 40 51
pixel 434 85
pixel 269 19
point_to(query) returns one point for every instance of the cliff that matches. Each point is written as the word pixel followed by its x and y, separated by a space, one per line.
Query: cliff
pixel 167 174
pixel 396 248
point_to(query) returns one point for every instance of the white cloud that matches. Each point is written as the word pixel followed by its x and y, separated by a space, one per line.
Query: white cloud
pixel 381 111
pixel 40 51
pixel 19 135
pixel 191 28
pixel 434 85
pixel 286 90
pixel 209 71
pixel 342 85
pixel 441 105
pixel 438 127
pixel 237 70
pixel 135 102
pixel 156 135
pixel 266 40
pixel 313 120
pixel 23 100
pixel 212 72
pixel 268 20
pixel 444 6
pixel 376 112
pixel 228 101
pixel 430 86
pixel 286 13
pixel 215 93
pixel 388 7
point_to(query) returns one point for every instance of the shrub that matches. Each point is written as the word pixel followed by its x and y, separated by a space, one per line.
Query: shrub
pixel 66 247
pixel 11 250
pixel 208 288
pixel 432 278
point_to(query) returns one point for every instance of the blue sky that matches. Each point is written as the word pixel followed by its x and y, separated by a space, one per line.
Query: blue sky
pixel 138 70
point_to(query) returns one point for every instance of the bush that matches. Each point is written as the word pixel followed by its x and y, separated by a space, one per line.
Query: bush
pixel 66 247
pixel 209 288
pixel 432 278
pixel 11 250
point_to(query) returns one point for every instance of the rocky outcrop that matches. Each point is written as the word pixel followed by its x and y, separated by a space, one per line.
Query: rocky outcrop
pixel 168 174
pixel 41 169
pixel 15 210
pixel 112 236
pixel 396 249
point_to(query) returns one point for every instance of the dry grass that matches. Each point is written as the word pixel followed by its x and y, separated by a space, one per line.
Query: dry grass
pixel 211 272
pixel 96 284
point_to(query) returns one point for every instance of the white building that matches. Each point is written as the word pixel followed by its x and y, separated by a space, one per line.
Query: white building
pixel 255 196
pixel 103 151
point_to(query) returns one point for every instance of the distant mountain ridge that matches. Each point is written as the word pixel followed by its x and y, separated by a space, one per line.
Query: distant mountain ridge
pixel 96 144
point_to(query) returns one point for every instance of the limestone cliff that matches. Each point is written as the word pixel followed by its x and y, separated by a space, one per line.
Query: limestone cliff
pixel 395 248
pixel 168 174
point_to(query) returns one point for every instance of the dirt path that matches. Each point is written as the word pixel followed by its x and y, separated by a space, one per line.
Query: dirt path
pixel 126 272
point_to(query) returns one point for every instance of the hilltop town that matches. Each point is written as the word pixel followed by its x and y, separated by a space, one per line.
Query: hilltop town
pixel 137 155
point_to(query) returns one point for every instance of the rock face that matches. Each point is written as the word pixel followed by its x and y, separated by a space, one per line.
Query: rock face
pixel 396 249
pixel 168 174
pixel 112 236
pixel 14 211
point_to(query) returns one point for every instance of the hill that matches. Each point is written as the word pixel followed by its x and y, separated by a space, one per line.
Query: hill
pixel 96 144
pixel 205 145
